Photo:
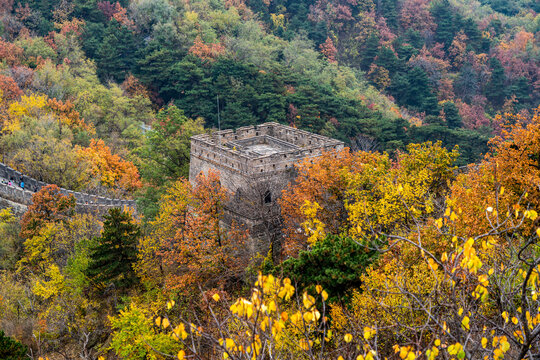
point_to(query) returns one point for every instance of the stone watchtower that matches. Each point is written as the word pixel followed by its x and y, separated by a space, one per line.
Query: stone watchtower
pixel 255 164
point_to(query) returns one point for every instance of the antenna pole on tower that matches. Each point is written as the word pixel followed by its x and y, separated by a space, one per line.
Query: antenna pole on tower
pixel 218 120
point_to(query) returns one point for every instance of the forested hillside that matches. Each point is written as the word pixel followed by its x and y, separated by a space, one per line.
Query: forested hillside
pixel 421 241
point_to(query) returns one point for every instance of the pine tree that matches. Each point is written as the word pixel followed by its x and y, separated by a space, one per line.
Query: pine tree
pixel 388 60
pixel 370 51
pixel 388 9
pixel 117 55
pixel 11 349
pixel 451 114
pixel 521 89
pixel 420 95
pixel 443 15
pixel 473 33
pixel 495 88
pixel 399 88
pixel 111 261
pixel 342 259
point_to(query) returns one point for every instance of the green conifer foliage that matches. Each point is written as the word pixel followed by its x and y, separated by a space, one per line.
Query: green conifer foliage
pixel 116 56
pixel 11 349
pixel 111 260
pixel 495 88
pixel 335 263
pixel 420 95
pixel 451 114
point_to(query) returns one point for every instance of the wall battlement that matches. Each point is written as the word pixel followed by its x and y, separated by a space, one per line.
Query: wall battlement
pixel 84 202
pixel 257 150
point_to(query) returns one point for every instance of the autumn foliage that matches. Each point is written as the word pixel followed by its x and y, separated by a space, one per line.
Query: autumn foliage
pixel 188 243
pixel 404 250
pixel 67 114
pixel 10 53
pixel 329 50
pixel 355 193
pixel 49 205
pixel 206 51
pixel 10 89
pixel 111 169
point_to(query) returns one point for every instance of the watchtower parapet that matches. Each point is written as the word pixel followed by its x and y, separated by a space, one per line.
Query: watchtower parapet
pixel 252 151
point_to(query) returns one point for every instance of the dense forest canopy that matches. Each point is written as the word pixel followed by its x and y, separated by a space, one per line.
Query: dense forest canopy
pixel 420 240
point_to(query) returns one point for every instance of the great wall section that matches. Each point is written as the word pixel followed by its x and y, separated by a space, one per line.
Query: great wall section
pixel 19 199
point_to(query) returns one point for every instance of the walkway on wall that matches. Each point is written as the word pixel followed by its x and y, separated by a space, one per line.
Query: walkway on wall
pixel 85 202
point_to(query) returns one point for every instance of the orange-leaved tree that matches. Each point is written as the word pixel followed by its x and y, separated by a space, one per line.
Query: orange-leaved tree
pixel 353 193
pixel 320 181
pixel 49 205
pixel 111 170
pixel 187 246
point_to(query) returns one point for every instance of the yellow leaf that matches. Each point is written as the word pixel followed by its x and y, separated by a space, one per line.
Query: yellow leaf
pixel 165 323
pixel 465 322
pixel 180 332
pixel 181 355
pixel 347 338
pixel 308 300
pixel 304 345
pixel 215 297
pixel 318 288
pixel 505 316
pixel 229 343
pixel 484 342
pixel 404 351
pixel 368 333
pixel 158 321
pixel 324 295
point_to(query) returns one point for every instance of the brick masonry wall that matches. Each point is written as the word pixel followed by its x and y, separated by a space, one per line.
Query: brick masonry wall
pixel 85 202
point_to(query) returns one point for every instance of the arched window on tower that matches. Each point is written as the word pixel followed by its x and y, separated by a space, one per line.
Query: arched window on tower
pixel 267 197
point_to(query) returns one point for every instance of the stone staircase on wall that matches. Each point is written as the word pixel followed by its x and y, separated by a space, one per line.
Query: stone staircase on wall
pixel 85 202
